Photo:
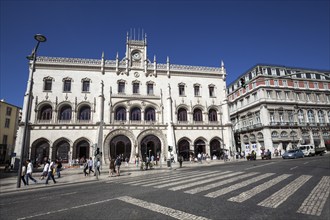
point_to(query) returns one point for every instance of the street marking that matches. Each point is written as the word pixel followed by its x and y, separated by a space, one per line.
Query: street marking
pixel 280 196
pixel 293 168
pixel 315 201
pixel 237 186
pixel 306 162
pixel 177 214
pixel 184 179
pixel 66 209
pixel 258 189
pixel 204 181
pixel 259 166
pixel 214 185
pixel 153 179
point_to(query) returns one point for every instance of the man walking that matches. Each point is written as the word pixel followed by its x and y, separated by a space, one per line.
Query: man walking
pixel 90 165
pixel 51 172
pixel 29 171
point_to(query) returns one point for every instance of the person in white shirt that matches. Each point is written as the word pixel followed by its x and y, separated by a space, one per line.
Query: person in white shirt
pixel 29 171
pixel 50 172
pixel 90 165
pixel 45 171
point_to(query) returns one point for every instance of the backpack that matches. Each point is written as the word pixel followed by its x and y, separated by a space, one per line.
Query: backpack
pixel 118 162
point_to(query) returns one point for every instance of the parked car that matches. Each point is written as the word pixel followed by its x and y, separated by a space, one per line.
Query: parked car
pixel 308 150
pixel 293 154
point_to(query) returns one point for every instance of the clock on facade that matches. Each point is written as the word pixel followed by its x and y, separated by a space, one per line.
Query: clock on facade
pixel 136 55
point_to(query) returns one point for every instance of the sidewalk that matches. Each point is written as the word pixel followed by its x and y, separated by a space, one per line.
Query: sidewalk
pixel 8 181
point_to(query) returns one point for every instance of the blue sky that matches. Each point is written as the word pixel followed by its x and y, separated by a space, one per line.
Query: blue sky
pixel 202 33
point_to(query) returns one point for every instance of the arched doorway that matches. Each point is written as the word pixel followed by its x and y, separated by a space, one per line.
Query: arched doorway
pixel 120 146
pixel 62 151
pixel 150 146
pixel 39 152
pixel 184 150
pixel 82 150
pixel 215 149
pixel 199 147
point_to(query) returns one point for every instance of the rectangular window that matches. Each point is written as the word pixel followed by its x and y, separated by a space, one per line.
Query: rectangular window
pixel 316 85
pixel 287 95
pixel 136 88
pixel 121 87
pixel 196 90
pixel 8 111
pixel 276 82
pixel 48 85
pixel 7 122
pixel 4 139
pixel 296 85
pixel 306 85
pixel 181 90
pixel 285 83
pixel 67 86
pixel 325 86
pixel 150 89
pixel 85 85
pixel 211 91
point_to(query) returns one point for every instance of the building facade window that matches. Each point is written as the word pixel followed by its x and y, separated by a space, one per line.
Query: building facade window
pixel 7 123
pixel 316 85
pixel 213 115
pixel 296 84
pixel 211 91
pixel 306 85
pixel 65 113
pixel 285 83
pixel 136 88
pixel 181 90
pixel 301 118
pixel 150 89
pixel 321 116
pixel 46 113
pixel 182 115
pixel 311 118
pixel 197 90
pixel 120 114
pixel 48 84
pixel 86 85
pixel 4 139
pixel 197 115
pixel 84 113
pixel 135 114
pixel 150 114
pixel 121 87
pixel 67 85
pixel 8 111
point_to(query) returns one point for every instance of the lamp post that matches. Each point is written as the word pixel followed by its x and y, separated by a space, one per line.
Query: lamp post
pixel 32 58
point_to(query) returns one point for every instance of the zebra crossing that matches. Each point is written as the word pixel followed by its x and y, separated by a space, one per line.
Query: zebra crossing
pixel 214 184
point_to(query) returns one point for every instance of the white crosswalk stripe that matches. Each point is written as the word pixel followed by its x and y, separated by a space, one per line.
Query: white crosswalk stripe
pixel 184 180
pixel 315 201
pixel 195 183
pixel 258 189
pixel 237 186
pixel 217 184
pixel 279 197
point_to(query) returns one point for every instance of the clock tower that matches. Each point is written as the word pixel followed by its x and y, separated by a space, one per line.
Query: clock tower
pixel 136 52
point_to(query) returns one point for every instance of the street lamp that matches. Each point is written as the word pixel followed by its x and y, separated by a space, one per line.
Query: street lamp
pixel 32 58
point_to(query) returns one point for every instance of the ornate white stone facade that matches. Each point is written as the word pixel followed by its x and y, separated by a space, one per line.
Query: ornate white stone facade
pixel 129 106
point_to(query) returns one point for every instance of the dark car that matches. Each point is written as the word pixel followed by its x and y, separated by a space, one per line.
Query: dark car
pixel 293 154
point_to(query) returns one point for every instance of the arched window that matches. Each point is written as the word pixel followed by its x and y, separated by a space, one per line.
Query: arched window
pixel 84 113
pixel 150 114
pixel 274 134
pixel 198 116
pixel 120 114
pixel 213 115
pixel 135 114
pixel 311 118
pixel 301 116
pixel 46 113
pixel 65 113
pixel 182 114
pixel 321 116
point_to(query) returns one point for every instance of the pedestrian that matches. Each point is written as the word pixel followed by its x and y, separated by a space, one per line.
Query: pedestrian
pixel 45 171
pixel 23 174
pixel 180 160
pixel 98 164
pixel 126 161
pixel 58 168
pixel 85 168
pixel 117 164
pixel 52 167
pixel 29 171
pixel 90 166
pixel 111 167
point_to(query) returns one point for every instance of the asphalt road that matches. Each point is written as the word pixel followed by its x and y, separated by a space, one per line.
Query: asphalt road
pixel 271 189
